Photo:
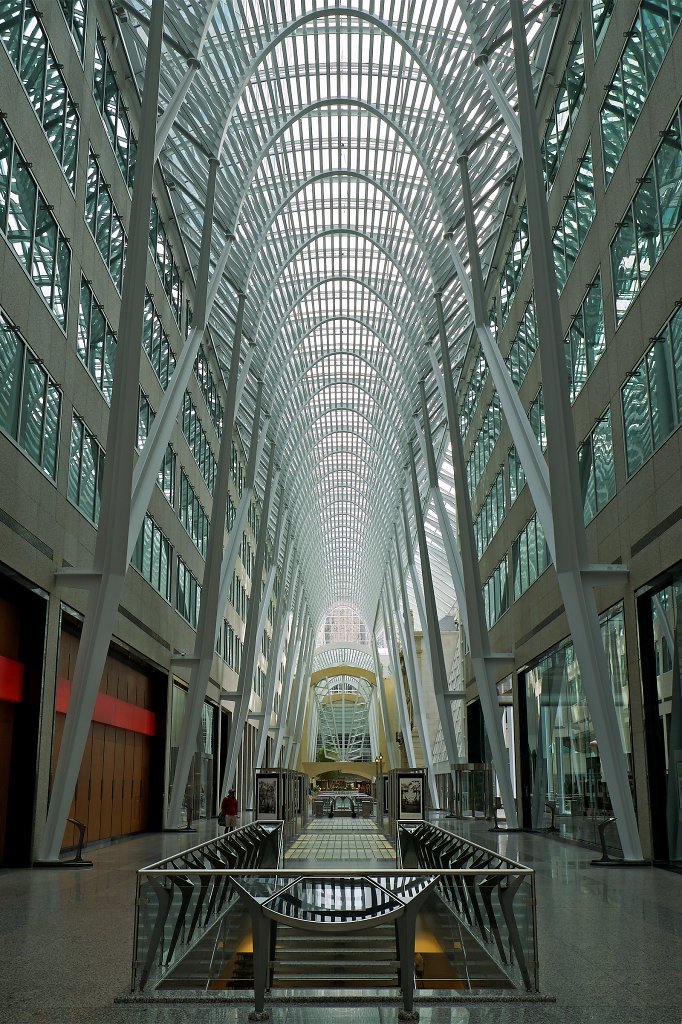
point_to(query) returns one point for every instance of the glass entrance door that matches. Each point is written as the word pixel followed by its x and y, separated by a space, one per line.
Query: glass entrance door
pixel 660 613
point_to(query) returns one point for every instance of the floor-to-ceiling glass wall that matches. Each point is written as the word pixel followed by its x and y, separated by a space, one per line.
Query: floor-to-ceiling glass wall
pixel 566 786
pixel 198 801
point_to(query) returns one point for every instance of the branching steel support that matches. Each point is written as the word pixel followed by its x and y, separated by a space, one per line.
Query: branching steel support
pixel 296 695
pixel 413 675
pixel 575 575
pixel 438 669
pixel 245 684
pixel 210 613
pixel 398 685
pixel 479 644
pixel 111 547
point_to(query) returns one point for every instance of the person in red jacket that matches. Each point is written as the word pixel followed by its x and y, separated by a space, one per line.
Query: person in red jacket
pixel 230 809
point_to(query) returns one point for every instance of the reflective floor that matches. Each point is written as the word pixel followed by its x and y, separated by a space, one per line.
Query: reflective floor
pixel 610 944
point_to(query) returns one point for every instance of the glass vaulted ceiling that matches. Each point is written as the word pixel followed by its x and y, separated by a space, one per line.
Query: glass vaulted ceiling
pixel 338 128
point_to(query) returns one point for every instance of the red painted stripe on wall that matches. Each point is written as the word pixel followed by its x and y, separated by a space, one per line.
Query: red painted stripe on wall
pixel 111 711
pixel 11 680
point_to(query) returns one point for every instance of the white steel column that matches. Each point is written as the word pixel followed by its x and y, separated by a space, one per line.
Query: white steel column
pixel 297 695
pixel 295 638
pixel 444 522
pixel 210 613
pixel 383 703
pixel 414 677
pixel 276 648
pixel 438 670
pixel 479 644
pixel 398 685
pixel 245 683
pixel 574 572
pixel 105 581
pixel 303 702
pixel 234 541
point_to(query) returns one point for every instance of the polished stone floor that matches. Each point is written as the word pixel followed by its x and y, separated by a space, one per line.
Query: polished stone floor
pixel 610 945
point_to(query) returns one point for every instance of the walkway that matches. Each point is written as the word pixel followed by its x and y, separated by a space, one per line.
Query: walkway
pixel 341 842
pixel 610 942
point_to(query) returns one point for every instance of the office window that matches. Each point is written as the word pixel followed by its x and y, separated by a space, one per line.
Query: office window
pixel 601 16
pixel 652 396
pixel 29 49
pixel 30 401
pixel 166 479
pixel 524 346
pixel 31 229
pixel 165 261
pixel 517 476
pixel 86 469
pixel 75 12
pixel 496 593
pixel 187 594
pixel 209 390
pixel 647 44
pixel 564 111
pixel 479 375
pixel 490 517
pixel 585 342
pixel 96 342
pixel 156 344
pixel 595 468
pixel 199 445
pixel 514 265
pixel 575 220
pixel 192 515
pixel 536 415
pixel 104 222
pixel 109 102
pixel 530 556
pixel 484 444
pixel 650 220
pixel 153 557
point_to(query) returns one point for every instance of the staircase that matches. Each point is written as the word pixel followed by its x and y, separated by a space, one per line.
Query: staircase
pixel 354 960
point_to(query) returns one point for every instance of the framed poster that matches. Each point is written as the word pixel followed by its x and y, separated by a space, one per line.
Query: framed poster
pixel 266 797
pixel 410 797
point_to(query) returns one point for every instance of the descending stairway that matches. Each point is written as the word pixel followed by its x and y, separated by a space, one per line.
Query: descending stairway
pixel 354 960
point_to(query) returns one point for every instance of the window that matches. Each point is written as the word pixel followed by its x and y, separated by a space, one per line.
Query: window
pixel 514 264
pixel 585 341
pixel 195 436
pixel 30 401
pixel 524 346
pixel 114 113
pixel 479 375
pixel 153 557
pixel 484 444
pixel 575 220
pixel 647 44
pixel 104 222
pixel 496 593
pixel 209 390
pixel 31 229
pixel 187 594
pixel 156 345
pixel 490 517
pixel 595 468
pixel 565 110
pixel 517 476
pixel 601 16
pixel 536 415
pixel 530 556
pixel 96 342
pixel 86 469
pixel 650 220
pixel 75 13
pixel 652 396
pixel 165 261
pixel 192 515
pixel 29 50
pixel 167 476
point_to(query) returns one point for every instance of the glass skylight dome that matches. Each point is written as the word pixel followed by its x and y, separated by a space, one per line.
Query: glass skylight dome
pixel 338 128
